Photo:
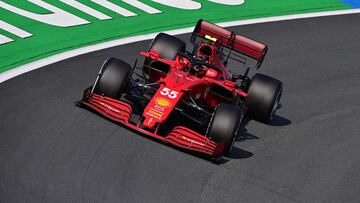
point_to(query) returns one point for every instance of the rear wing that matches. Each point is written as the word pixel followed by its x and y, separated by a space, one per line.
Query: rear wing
pixel 229 39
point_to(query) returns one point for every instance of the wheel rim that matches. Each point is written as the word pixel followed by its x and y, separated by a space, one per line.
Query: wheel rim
pixel 208 128
pixel 232 142
pixel 236 132
pixel 276 104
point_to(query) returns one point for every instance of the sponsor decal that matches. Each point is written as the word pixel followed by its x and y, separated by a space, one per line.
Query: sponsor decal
pixel 191 141
pixel 159 108
pixel 109 107
pixel 162 102
pixel 154 114
pixel 150 121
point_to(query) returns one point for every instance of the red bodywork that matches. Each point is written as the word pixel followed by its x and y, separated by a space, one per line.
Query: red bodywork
pixel 227 38
pixel 120 112
pixel 177 85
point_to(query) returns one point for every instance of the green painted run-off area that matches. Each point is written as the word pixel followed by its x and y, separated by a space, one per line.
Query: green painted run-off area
pixel 47 40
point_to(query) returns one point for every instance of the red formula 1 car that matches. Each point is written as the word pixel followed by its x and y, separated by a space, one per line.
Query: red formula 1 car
pixel 188 99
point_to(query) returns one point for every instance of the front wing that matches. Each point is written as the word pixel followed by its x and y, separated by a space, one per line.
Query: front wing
pixel 120 112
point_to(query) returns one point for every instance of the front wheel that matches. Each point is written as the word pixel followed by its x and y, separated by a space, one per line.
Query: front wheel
pixel 113 78
pixel 224 125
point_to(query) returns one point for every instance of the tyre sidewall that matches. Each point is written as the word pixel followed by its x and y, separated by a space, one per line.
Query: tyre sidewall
pixel 224 125
pixel 263 93
pixel 113 78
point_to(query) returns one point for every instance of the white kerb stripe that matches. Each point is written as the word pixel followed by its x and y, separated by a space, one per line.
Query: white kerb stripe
pixel 115 8
pixel 4 40
pixel 69 54
pixel 14 30
pixel 86 9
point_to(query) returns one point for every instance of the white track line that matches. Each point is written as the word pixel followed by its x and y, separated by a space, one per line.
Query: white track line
pixel 69 54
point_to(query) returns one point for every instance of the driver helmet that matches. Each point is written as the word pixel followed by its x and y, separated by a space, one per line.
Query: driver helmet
pixel 205 52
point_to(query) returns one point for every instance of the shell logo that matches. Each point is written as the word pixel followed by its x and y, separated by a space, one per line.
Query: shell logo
pixel 162 102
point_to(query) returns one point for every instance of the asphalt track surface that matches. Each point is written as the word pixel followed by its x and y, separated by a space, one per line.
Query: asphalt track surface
pixel 53 151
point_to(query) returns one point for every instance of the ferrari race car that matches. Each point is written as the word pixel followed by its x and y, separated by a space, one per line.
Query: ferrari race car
pixel 188 99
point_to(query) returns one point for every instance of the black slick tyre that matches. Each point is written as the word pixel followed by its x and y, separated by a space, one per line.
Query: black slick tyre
pixel 168 46
pixel 264 97
pixel 224 125
pixel 113 78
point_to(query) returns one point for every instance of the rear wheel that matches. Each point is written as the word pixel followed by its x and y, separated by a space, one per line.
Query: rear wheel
pixel 168 46
pixel 224 125
pixel 264 97
pixel 113 78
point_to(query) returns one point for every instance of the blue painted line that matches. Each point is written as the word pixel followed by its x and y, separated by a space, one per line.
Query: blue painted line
pixel 352 3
